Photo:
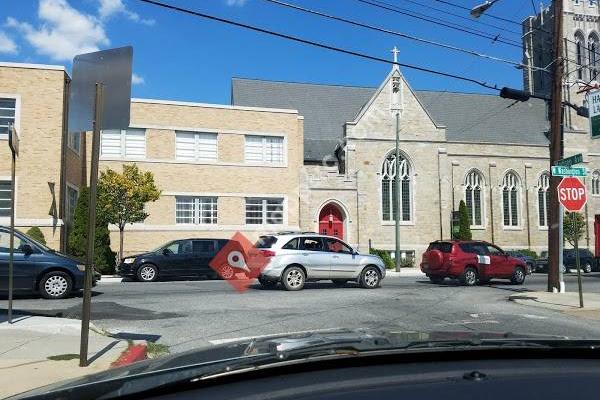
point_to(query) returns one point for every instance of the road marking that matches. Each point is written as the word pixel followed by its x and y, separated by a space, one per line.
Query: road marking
pixel 531 316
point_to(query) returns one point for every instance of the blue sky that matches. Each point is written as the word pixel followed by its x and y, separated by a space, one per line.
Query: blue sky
pixel 180 57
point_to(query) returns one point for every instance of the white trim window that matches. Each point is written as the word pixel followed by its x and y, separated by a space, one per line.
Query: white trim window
pixel 196 210
pixel 8 110
pixel 543 201
pixel 74 141
pixel 196 146
pixel 72 196
pixel 5 198
pixel 474 197
pixel 510 199
pixel 264 149
pixel 264 211
pixel 596 183
pixel 388 189
pixel 125 143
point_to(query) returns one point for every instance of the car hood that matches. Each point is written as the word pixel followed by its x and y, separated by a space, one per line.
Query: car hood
pixel 141 255
pixel 215 360
pixel 64 257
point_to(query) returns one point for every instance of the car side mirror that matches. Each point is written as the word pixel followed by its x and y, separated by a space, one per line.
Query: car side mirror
pixel 26 249
pixel 166 251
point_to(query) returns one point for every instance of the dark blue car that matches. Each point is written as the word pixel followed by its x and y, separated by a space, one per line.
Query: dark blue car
pixel 39 269
pixel 529 261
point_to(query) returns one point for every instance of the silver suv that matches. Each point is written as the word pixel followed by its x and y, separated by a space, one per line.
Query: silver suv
pixel 295 258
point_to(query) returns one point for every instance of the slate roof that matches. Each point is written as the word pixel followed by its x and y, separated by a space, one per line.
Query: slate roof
pixel 467 117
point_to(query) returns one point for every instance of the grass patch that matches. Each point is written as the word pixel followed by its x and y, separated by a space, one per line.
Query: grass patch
pixel 156 350
pixel 64 357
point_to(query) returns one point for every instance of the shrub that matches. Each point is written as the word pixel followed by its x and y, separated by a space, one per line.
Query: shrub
pixel 104 257
pixel 529 253
pixel 36 234
pixel 464 232
pixel 388 261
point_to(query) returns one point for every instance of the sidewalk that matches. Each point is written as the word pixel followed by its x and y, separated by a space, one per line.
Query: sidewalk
pixel 36 351
pixel 564 302
pixel 405 272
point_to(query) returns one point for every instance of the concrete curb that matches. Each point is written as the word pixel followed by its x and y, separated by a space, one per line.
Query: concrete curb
pixel 133 354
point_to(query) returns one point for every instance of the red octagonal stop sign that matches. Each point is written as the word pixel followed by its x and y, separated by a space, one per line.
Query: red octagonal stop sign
pixel 572 194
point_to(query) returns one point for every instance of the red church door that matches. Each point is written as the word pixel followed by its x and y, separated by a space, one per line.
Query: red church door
pixel 331 221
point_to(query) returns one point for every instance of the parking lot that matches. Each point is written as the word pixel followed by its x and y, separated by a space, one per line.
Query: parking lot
pixel 188 314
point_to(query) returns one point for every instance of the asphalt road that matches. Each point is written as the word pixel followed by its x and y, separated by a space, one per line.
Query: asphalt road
pixel 188 314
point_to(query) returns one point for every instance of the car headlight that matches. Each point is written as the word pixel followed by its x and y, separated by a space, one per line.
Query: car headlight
pixel 129 260
pixel 81 267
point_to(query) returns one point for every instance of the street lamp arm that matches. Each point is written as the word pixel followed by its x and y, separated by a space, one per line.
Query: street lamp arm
pixel 477 11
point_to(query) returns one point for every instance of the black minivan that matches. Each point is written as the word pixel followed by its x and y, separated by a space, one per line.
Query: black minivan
pixel 38 268
pixel 184 258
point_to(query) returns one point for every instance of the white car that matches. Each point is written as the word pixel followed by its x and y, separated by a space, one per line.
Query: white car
pixel 295 258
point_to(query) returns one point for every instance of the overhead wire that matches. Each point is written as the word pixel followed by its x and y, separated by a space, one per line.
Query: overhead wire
pixel 315 43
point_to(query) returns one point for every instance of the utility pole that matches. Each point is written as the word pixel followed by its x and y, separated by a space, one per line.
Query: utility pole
pixel 556 133
pixel 396 108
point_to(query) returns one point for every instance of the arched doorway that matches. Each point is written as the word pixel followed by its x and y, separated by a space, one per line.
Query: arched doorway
pixel 331 221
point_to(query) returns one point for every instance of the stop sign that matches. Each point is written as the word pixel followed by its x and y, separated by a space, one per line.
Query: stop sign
pixel 572 194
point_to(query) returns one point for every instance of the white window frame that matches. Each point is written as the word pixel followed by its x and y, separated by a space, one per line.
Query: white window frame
pixel 200 204
pixel 7 179
pixel 264 139
pixel 197 152
pixel 17 123
pixel 407 171
pixel 544 186
pixel 595 183
pixel 518 186
pixel 264 210
pixel 469 181
pixel 70 213
pixel 71 141
pixel 123 145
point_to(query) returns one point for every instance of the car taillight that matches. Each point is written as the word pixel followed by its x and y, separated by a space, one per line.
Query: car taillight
pixel 267 253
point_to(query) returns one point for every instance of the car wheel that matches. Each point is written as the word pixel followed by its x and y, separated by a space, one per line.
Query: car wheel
pixel 56 285
pixel 293 278
pixel 436 279
pixel 518 276
pixel 530 268
pixel 339 282
pixel 267 284
pixel 469 276
pixel 370 278
pixel 563 269
pixel 147 273
pixel 587 268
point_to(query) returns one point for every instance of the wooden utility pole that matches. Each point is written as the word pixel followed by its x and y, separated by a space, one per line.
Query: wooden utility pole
pixel 556 136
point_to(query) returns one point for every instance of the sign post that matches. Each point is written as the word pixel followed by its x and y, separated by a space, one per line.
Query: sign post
pixel 594 109
pixel 13 143
pixel 100 98
pixel 572 195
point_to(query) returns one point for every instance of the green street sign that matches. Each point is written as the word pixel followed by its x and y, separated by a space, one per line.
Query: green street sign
pixel 568 171
pixel 594 108
pixel 569 161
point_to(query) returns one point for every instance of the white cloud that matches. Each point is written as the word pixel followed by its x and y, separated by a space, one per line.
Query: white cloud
pixel 64 31
pixel 137 80
pixel 108 8
pixel 236 3
pixel 7 45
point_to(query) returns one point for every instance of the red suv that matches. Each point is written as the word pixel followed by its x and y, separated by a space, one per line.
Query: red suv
pixel 471 262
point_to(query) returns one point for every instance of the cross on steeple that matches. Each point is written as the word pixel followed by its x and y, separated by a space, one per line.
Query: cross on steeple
pixel 395 52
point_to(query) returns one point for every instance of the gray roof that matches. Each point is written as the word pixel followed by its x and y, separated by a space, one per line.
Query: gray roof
pixel 467 117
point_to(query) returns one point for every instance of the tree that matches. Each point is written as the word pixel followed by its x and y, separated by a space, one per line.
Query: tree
pixel 122 197
pixel 573 227
pixel 36 234
pixel 104 257
pixel 464 231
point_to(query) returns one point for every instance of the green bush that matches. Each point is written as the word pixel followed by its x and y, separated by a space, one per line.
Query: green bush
pixel 407 263
pixel 104 257
pixel 385 256
pixel 36 234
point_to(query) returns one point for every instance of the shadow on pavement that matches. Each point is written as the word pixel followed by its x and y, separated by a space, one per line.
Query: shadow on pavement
pixel 309 286
pixel 135 336
pixel 29 296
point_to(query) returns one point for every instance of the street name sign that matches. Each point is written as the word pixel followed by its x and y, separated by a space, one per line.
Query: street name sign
pixel 557 170
pixel 570 161
pixel 594 107
pixel 572 194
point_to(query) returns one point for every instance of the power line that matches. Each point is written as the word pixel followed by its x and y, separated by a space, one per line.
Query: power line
pixel 316 44
pixel 395 33
pixel 470 19
pixel 437 21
